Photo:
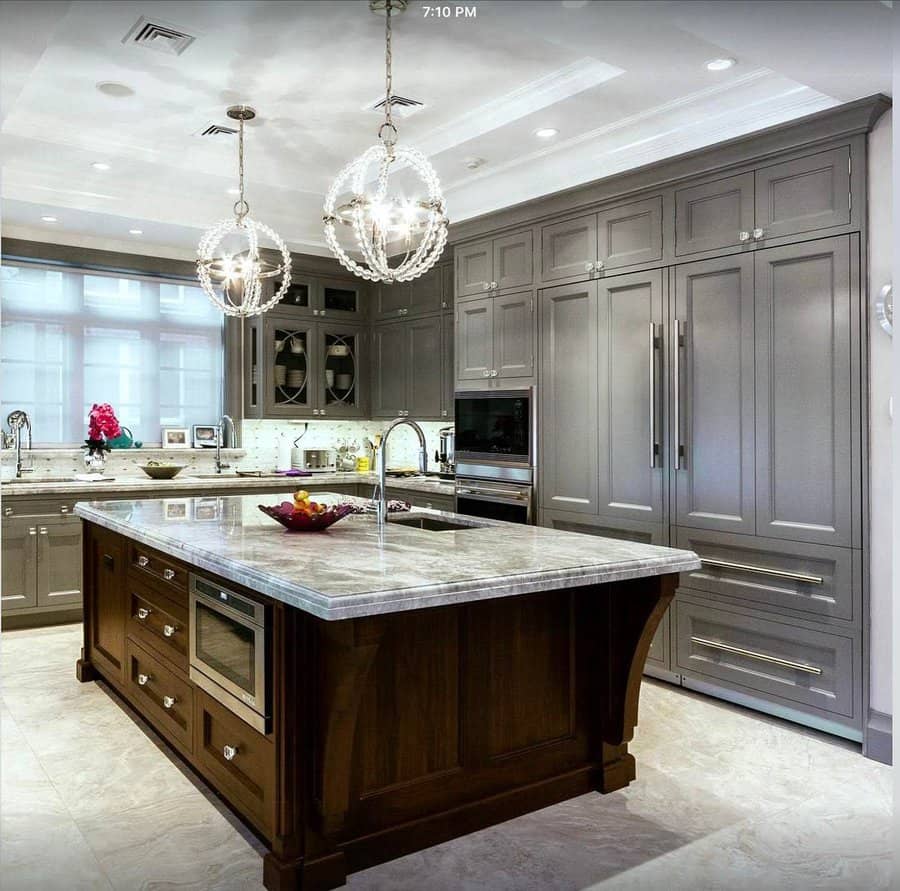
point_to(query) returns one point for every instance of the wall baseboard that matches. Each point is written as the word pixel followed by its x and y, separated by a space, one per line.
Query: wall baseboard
pixel 878 739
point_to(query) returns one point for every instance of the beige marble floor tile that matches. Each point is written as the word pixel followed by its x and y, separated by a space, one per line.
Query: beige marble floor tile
pixel 39 650
pixel 182 843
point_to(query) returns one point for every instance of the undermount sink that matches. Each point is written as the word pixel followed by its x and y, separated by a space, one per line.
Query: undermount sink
pixel 432 524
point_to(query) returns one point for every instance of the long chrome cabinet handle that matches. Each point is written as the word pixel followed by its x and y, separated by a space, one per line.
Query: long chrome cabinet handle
pixel 764 570
pixel 678 449
pixel 653 346
pixel 763 657
pixel 520 495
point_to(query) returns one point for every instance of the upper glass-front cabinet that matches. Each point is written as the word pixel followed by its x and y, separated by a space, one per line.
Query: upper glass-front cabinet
pixel 323 297
pixel 340 377
pixel 289 385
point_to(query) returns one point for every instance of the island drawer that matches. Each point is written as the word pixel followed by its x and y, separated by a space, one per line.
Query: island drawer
pixel 235 759
pixel 152 567
pixel 163 697
pixel 814 580
pixel 782 660
pixel 19 506
pixel 159 623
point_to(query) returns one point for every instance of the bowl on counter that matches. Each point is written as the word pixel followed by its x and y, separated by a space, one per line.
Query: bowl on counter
pixel 299 521
pixel 157 471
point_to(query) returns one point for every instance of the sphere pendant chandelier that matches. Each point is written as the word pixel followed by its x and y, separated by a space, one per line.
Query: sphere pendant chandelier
pixel 231 267
pixel 411 230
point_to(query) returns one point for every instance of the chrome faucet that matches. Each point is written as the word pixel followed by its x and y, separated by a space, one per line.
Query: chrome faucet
pixel 18 420
pixel 381 457
pixel 220 435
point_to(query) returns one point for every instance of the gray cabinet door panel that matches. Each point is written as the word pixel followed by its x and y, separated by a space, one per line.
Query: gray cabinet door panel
pixel 424 374
pixel 513 261
pixel 628 485
pixel 630 234
pixel 513 334
pixel 804 194
pixel 59 562
pixel 390 363
pixel 425 292
pixel 448 384
pixel 567 248
pixel 391 298
pixel 743 651
pixel 803 427
pixel 474 339
pixel 818 581
pixel 713 215
pixel 715 485
pixel 568 398
pixel 18 564
pixel 474 268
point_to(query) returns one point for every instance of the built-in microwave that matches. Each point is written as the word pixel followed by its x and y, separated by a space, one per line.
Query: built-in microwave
pixel 496 427
pixel 228 644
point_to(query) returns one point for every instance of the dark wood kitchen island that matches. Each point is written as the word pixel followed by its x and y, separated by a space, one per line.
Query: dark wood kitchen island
pixel 418 684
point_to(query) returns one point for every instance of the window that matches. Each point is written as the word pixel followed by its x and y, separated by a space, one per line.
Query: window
pixel 153 349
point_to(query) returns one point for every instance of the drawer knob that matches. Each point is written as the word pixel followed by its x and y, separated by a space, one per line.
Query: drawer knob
pixel 168 701
pixel 228 752
pixel 758 233
pixel 143 679
pixel 64 509
pixel 143 561
pixel 168 630
pixel 7 511
pixel 143 612
pixel 168 574
pixel 744 236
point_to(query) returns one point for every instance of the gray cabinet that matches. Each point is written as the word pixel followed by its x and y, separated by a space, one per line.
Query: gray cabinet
pixel 421 296
pixel 41 562
pixel 629 388
pixel 716 402
pixel 448 384
pixel 494 265
pixel 615 238
pixel 392 299
pixel 804 194
pixel 568 450
pixel 407 369
pixel 18 564
pixel 474 339
pixel 804 417
pixel 713 215
pixel 334 298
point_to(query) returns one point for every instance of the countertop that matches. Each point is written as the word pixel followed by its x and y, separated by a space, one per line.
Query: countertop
pixel 356 569
pixel 213 485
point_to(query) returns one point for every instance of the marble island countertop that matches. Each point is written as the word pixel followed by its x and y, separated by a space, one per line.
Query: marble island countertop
pixel 356 569
pixel 214 484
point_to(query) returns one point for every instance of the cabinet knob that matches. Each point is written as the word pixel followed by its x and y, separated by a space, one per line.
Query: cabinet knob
pixel 43 530
pixel 321 312
pixel 744 236
pixel 321 411
pixel 168 630
pixel 758 233
pixel 143 561
pixel 486 372
pixel 443 304
pixel 589 267
pixel 228 752
pixel 598 265
pixel 487 286
pixel 143 612
pixel 32 530
pixel 168 701
pixel 315 312
pixel 168 574
pixel 493 372
pixel 7 511
pixel 315 411
pixel 443 412
pixel 143 678
pixel 64 508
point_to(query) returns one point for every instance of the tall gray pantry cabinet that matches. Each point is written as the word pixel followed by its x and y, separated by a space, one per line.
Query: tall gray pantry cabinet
pixel 700 377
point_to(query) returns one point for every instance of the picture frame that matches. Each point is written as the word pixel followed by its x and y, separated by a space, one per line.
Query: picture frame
pixel 176 509
pixel 175 438
pixel 205 436
pixel 205 509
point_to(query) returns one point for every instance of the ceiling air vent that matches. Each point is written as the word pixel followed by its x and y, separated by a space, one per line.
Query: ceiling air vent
pixel 400 106
pixel 217 130
pixel 159 35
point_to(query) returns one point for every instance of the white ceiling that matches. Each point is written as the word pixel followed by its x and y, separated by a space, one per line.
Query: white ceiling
pixel 625 83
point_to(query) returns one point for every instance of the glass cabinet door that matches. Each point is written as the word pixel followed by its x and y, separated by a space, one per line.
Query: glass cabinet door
pixel 299 295
pixel 340 299
pixel 291 361
pixel 340 375
pixel 251 329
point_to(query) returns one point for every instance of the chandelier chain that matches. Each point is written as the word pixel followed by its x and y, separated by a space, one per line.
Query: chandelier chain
pixel 241 208
pixel 388 61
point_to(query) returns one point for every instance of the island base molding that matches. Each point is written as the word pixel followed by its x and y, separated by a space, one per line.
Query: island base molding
pixel 392 732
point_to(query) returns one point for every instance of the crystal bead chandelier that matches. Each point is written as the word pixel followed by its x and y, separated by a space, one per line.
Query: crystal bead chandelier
pixel 231 268
pixel 413 229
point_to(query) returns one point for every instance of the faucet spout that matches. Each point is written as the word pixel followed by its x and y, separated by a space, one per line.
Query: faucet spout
pixel 18 420
pixel 381 503
pixel 220 431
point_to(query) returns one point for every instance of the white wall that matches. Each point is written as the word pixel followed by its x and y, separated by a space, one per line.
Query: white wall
pixel 880 359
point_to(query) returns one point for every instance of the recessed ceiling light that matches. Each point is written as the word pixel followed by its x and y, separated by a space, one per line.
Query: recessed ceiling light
pixel 546 132
pixel 114 89
pixel 135 231
pixel 719 64
pixel 50 219
pixel 100 165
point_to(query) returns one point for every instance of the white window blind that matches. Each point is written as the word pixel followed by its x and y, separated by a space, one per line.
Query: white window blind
pixel 153 349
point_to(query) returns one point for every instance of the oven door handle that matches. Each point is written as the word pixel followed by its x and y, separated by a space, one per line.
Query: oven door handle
pixel 495 495
pixel 219 607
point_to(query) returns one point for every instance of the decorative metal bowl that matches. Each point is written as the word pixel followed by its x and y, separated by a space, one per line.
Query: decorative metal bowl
pixel 162 471
pixel 300 521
